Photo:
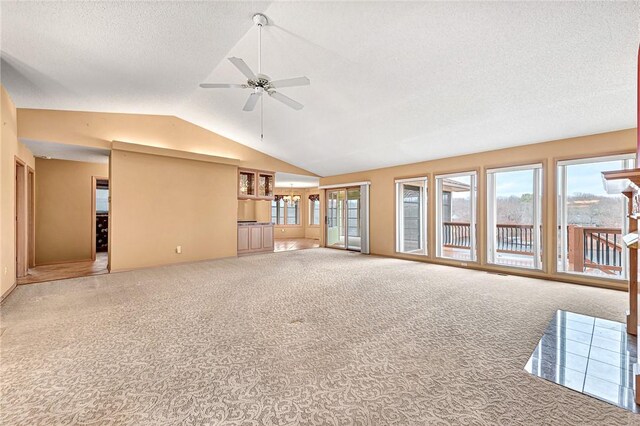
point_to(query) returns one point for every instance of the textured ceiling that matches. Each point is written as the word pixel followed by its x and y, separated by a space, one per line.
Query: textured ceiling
pixel 391 83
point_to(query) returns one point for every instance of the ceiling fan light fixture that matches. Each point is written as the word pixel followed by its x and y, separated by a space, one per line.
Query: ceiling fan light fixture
pixel 260 83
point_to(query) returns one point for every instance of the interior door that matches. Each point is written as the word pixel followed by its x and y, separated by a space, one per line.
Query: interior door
pixel 336 229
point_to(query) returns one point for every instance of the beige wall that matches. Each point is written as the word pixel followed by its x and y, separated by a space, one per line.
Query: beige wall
pixel 10 149
pixel 304 230
pixel 158 203
pixel 258 210
pixel 100 129
pixel 382 203
pixel 64 209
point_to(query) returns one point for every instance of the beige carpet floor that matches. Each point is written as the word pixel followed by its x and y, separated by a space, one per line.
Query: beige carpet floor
pixel 318 337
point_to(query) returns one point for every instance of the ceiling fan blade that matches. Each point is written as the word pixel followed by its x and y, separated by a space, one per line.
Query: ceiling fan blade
pixel 243 68
pixel 251 102
pixel 223 86
pixel 286 100
pixel 291 82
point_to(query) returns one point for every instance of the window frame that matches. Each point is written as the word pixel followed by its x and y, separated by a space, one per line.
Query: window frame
pixel 474 174
pixel 538 219
pixel 285 211
pixel 560 248
pixel 311 207
pixel 298 205
pixel 423 183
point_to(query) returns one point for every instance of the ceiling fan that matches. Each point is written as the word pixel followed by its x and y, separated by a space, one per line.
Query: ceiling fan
pixel 260 83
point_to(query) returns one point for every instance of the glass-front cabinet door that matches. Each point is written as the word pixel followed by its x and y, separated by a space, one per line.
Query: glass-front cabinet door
pixel 265 185
pixel 246 184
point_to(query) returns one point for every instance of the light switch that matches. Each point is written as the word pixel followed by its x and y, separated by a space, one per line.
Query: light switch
pixel 179 249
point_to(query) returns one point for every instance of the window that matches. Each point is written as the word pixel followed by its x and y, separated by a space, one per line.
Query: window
pixel 456 216
pixel 314 209
pixel 285 212
pixel 277 210
pixel 411 217
pixel 293 213
pixel 514 216
pixel 591 222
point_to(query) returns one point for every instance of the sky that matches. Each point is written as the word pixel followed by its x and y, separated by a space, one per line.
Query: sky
pixel 582 178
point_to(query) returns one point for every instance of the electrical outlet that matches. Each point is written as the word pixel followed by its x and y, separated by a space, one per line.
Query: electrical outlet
pixel 463 263
pixel 179 249
pixel 6 270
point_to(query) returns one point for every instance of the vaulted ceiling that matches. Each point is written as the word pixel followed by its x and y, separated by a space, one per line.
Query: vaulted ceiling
pixel 391 82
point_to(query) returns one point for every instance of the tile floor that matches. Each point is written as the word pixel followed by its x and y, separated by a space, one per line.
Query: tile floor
pixel 590 355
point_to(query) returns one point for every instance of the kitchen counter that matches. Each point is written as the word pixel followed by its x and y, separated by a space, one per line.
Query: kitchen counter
pixel 250 222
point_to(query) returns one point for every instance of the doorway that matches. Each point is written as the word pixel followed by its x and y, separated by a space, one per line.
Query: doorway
pixel 344 230
pixel 31 221
pixel 21 219
pixel 100 217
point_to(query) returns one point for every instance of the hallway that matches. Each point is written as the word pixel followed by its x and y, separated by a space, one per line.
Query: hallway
pixel 62 271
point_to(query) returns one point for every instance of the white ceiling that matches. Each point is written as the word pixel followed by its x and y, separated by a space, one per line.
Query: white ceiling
pixel 391 83
pixel 290 180
pixel 60 151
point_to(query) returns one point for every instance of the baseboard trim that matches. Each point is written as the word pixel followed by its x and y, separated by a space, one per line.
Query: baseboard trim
pixel 519 272
pixel 8 292
pixel 186 262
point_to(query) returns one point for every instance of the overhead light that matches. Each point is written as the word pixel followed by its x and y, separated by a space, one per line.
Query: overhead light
pixel 44 157
pixel 291 198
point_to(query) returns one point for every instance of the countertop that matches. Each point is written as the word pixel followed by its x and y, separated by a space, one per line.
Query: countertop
pixel 245 223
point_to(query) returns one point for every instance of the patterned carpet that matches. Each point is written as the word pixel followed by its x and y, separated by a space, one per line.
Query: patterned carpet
pixel 319 337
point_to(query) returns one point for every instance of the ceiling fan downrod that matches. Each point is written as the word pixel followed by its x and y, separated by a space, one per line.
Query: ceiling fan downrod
pixel 260 83
pixel 260 20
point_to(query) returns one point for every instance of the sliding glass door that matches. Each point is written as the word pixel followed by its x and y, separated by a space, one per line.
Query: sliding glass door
pixel 514 216
pixel 353 219
pixel 336 202
pixel 344 219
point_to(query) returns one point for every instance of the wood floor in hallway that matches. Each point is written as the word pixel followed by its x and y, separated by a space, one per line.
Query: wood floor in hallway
pixel 62 271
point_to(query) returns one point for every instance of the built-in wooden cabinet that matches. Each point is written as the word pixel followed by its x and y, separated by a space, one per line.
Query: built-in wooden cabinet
pixel 255 237
pixel 255 184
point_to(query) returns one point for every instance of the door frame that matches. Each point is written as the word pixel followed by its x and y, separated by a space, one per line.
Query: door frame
pixel 345 211
pixel 327 216
pixel 31 219
pixel 20 218
pixel 94 185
